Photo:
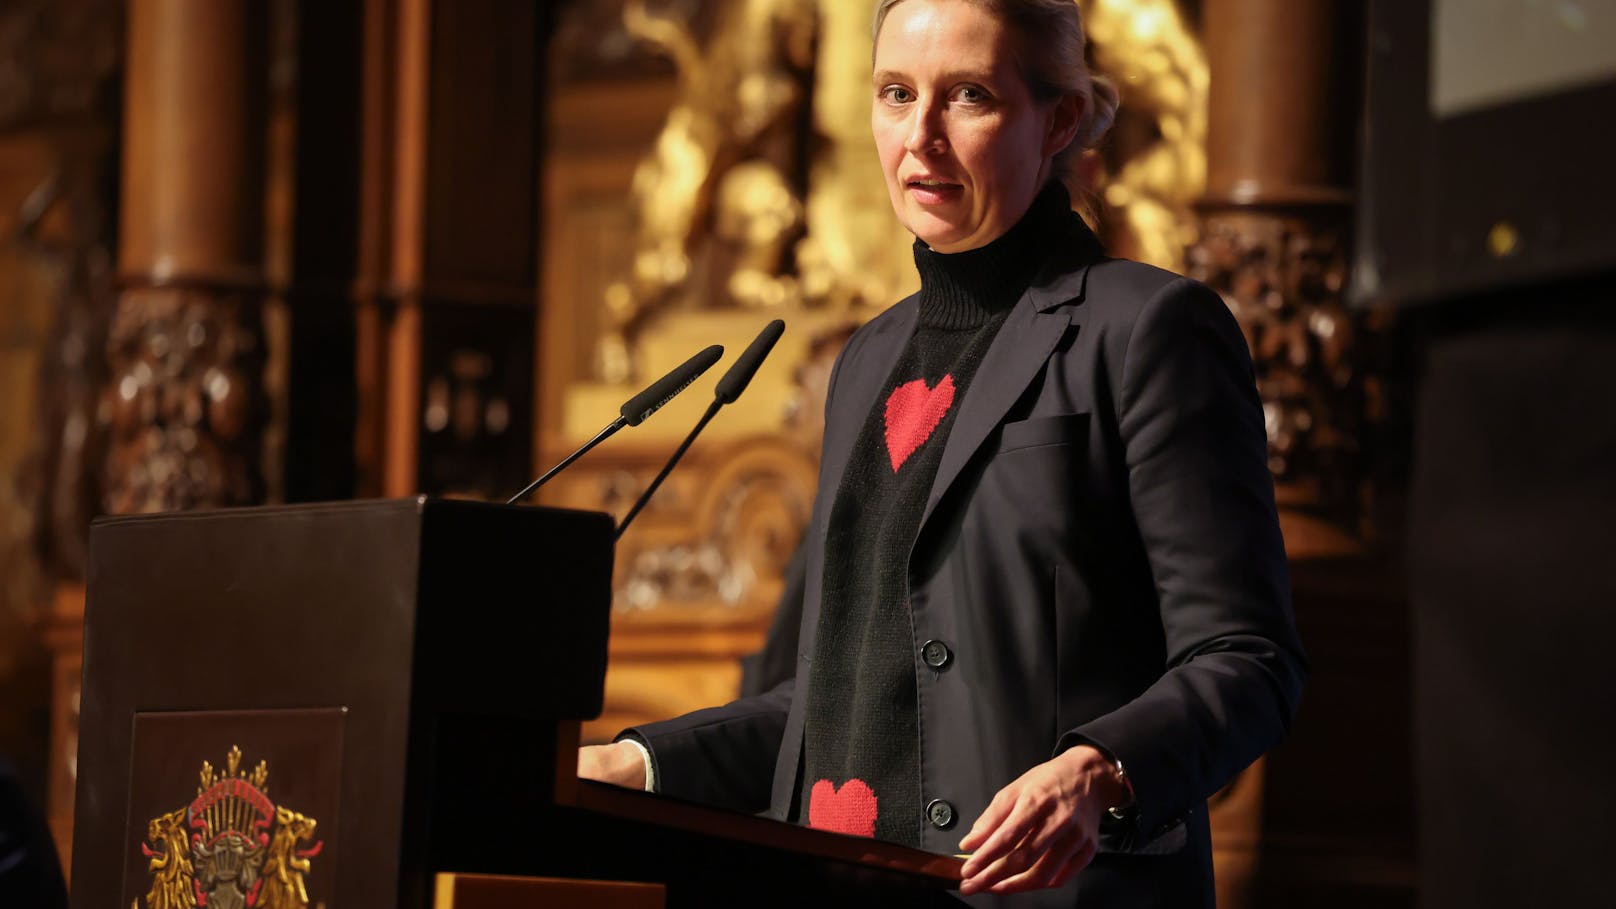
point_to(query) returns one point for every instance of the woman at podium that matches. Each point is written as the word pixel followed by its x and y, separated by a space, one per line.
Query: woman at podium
pixel 1045 607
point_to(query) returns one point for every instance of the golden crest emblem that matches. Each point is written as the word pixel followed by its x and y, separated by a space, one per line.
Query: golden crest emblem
pixel 231 847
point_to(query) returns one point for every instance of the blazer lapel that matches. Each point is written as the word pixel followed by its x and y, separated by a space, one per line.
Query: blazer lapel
pixel 1024 342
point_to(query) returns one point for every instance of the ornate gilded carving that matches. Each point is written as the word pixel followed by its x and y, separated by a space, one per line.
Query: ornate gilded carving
pixel 591 43
pixel 746 518
pixel 1282 276
pixel 185 400
pixel 1156 157
pixel 718 197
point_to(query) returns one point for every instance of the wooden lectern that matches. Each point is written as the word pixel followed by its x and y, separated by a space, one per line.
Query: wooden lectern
pixel 328 705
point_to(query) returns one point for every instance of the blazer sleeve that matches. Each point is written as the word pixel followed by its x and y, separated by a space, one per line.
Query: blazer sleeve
pixel 721 756
pixel 1203 501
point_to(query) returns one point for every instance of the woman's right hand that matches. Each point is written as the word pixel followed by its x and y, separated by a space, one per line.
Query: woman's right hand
pixel 619 763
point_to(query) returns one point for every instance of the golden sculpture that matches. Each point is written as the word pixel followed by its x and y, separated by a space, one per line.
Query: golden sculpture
pixel 737 94
pixel 757 214
pixel 1159 68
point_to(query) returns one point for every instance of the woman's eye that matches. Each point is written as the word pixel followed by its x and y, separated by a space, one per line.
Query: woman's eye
pixel 898 95
pixel 970 94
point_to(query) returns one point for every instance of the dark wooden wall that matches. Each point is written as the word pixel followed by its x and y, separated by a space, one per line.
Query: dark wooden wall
pixel 1510 544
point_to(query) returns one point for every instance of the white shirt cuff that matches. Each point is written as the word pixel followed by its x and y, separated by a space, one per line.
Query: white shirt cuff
pixel 650 770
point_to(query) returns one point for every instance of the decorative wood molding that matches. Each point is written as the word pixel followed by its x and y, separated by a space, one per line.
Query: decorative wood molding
pixel 185 400
pixel 1282 274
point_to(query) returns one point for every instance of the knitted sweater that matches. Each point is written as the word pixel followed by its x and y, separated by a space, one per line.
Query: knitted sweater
pixel 861 738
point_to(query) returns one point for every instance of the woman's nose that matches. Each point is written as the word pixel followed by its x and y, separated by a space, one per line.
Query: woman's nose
pixel 926 132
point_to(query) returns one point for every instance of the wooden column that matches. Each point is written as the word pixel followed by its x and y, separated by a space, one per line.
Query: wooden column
pixel 1313 823
pixel 1279 158
pixel 400 272
pixel 1281 119
pixel 187 344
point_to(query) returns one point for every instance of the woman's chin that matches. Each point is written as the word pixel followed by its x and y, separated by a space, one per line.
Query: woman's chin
pixel 939 234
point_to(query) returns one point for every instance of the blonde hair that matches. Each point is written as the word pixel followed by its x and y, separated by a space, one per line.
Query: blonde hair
pixel 1050 35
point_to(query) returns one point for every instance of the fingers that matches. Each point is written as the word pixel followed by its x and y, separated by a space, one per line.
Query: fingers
pixel 1047 865
pixel 1047 837
pixel 1054 869
pixel 1037 832
pixel 1003 838
pixel 1014 863
pixel 1034 862
pixel 1049 828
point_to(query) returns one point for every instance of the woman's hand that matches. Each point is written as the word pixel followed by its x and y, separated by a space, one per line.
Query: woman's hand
pixel 1044 827
pixel 619 763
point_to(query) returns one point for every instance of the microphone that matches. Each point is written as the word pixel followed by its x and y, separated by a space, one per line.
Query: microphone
pixel 729 388
pixel 636 409
pixel 740 375
pixel 660 392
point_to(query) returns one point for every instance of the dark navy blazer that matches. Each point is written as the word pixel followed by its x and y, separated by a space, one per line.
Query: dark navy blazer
pixel 1100 552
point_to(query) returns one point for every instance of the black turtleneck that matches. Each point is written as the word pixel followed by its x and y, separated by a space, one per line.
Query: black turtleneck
pixel 861 740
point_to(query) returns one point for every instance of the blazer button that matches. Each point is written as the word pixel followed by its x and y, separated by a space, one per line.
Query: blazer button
pixel 936 654
pixel 940 813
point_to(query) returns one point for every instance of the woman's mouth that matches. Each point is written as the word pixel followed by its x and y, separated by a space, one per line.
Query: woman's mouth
pixel 931 191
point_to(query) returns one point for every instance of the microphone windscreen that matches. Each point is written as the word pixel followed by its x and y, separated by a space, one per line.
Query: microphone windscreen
pixel 660 392
pixel 746 366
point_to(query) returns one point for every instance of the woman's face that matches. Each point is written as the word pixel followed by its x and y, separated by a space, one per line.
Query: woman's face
pixel 963 144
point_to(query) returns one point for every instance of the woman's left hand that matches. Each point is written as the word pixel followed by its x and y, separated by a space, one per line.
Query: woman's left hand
pixel 1044 827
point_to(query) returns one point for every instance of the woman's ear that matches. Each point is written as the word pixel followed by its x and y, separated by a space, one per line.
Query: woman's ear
pixel 1064 118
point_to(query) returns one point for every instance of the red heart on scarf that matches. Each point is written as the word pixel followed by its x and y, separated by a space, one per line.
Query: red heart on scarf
pixel 852 810
pixel 913 412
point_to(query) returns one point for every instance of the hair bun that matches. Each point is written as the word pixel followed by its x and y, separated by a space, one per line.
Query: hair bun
pixel 1102 112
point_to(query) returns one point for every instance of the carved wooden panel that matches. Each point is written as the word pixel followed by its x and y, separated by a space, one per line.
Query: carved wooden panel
pixel 1283 277
pixel 476 399
pixel 185 401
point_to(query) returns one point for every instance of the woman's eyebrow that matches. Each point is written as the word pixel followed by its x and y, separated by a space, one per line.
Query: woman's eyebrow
pixel 882 76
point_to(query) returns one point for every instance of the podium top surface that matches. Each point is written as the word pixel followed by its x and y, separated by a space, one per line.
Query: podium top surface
pixel 459 601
